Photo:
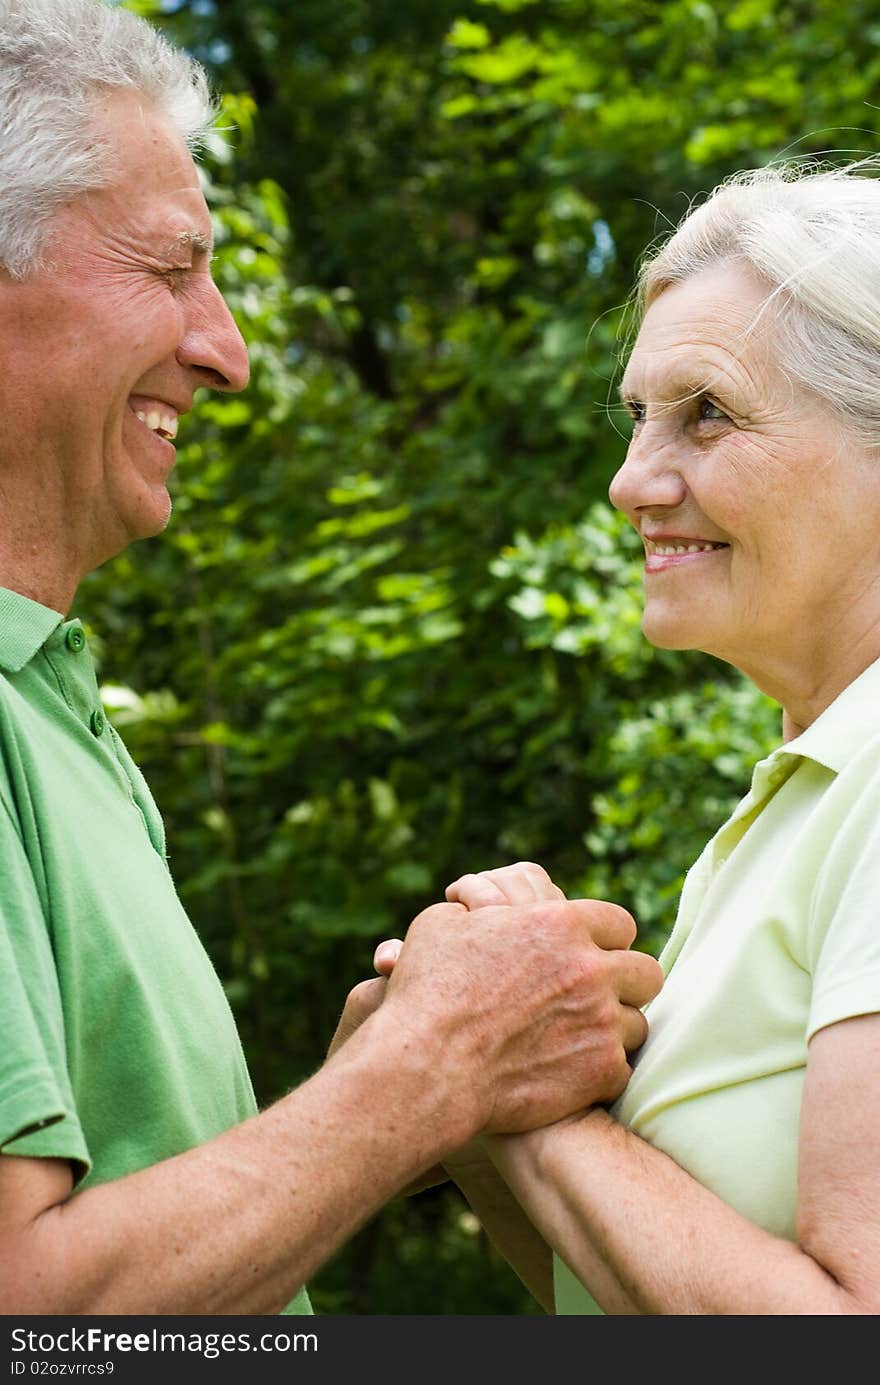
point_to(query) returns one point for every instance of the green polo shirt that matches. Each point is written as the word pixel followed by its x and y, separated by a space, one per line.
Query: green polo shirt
pixel 777 936
pixel 118 1045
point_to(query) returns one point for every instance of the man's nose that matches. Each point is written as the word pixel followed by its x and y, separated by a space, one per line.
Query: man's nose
pixel 212 344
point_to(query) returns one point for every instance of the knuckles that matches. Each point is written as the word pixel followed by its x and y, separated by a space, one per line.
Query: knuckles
pixel 533 869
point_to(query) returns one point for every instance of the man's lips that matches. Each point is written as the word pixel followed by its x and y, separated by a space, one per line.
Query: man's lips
pixel 156 414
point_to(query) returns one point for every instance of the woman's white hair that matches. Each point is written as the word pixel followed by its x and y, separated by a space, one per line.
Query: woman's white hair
pixel 812 233
pixel 57 59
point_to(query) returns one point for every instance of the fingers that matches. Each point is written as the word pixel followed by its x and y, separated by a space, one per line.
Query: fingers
pixel 634 1029
pixel 522 883
pixel 475 892
pixel 609 926
pixel 638 977
pixel 366 997
pixel 431 1178
pixel 566 996
pixel 386 955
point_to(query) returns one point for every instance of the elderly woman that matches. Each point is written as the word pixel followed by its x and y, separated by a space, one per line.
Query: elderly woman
pixel 739 1173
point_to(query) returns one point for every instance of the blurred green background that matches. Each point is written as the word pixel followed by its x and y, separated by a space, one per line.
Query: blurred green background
pixel 392 633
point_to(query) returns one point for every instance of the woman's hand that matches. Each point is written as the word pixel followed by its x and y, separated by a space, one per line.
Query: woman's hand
pixel 522 883
pixel 366 997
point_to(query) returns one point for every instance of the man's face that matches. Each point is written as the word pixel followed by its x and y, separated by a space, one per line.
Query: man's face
pixel 104 348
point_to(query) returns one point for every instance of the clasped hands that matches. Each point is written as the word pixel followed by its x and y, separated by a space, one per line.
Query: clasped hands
pixel 547 1056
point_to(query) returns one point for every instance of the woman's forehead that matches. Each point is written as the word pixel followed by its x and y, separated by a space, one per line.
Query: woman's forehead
pixel 710 326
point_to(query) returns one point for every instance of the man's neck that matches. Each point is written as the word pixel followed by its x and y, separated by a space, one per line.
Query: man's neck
pixel 38 579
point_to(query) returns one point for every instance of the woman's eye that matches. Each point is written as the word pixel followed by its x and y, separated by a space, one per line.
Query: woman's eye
pixel 710 412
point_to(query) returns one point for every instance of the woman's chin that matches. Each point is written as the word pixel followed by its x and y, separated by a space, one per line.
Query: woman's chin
pixel 666 634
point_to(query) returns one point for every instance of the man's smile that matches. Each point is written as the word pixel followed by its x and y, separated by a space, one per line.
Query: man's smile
pixel 159 417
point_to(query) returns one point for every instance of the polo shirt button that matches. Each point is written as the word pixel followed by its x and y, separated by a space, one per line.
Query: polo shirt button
pixel 76 640
pixel 97 722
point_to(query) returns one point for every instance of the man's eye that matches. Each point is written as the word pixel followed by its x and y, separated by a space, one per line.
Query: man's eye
pixel 710 412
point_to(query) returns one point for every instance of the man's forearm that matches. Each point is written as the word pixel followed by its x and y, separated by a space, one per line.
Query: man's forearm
pixel 239 1224
pixel 507 1025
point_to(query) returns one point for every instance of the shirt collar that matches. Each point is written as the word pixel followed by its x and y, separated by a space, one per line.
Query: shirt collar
pixel 25 626
pixel 842 730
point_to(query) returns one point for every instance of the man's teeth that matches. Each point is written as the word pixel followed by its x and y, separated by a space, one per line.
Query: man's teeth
pixel 669 549
pixel 166 424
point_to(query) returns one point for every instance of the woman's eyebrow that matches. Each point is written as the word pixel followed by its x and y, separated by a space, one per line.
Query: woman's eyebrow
pixel 674 390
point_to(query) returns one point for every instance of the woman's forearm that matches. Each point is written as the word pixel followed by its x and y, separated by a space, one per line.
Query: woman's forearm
pixel 507 1226
pixel 645 1236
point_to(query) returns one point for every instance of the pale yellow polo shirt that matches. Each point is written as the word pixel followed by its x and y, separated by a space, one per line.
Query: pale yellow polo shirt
pixel 777 936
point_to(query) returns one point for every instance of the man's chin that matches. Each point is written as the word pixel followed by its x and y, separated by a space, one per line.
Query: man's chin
pixel 147 524
pixel 156 513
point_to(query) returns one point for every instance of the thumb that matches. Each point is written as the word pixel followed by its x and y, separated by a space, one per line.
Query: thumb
pixel 386 955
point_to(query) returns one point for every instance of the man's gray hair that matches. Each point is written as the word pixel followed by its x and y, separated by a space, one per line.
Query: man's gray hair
pixel 57 59
pixel 812 234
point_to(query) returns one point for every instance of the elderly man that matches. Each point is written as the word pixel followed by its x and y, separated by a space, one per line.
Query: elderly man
pixel 136 1175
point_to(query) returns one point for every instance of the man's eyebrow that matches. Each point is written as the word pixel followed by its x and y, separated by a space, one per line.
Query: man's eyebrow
pixel 191 240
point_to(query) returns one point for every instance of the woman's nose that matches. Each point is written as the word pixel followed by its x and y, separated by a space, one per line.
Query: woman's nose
pixel 649 477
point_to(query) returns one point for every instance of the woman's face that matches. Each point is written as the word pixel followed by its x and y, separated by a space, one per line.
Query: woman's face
pixel 759 510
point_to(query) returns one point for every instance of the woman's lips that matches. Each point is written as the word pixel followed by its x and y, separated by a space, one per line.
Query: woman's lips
pixel 661 554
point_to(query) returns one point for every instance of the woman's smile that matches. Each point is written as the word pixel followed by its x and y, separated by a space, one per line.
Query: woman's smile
pixel 663 551
pixel 758 509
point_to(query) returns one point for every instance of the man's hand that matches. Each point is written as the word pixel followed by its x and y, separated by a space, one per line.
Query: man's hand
pixel 522 883
pixel 363 1001
pixel 530 1008
pixel 519 884
pixel 556 995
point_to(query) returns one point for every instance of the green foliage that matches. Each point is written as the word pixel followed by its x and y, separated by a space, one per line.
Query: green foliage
pixel 392 633
pixel 678 732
